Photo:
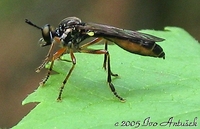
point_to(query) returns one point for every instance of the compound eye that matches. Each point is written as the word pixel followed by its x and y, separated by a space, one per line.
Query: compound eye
pixel 48 34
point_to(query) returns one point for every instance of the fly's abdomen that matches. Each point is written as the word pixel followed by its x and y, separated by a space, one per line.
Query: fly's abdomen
pixel 157 50
pixel 145 49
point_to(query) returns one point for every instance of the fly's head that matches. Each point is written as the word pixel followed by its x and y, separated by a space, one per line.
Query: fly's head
pixel 48 33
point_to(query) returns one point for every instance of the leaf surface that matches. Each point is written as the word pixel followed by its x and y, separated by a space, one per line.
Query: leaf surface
pixel 153 87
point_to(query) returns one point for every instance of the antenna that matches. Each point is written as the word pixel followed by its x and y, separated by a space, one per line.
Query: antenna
pixel 30 23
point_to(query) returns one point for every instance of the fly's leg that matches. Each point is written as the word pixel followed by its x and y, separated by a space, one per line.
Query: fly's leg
pixel 105 59
pixel 109 80
pixel 96 40
pixel 55 56
pixel 69 73
pixel 105 52
pixel 105 56
pixel 46 60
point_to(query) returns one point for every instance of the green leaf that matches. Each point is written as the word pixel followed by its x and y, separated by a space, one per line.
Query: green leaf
pixel 153 87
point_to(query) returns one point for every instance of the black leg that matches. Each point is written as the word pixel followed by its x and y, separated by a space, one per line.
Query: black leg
pixel 109 80
pixel 69 73
pixel 105 59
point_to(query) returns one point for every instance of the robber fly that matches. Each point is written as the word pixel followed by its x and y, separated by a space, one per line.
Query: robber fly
pixel 72 31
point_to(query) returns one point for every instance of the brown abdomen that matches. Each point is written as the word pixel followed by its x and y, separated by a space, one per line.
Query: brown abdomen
pixel 145 49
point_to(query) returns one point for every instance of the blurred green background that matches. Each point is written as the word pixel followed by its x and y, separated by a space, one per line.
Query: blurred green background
pixel 20 53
